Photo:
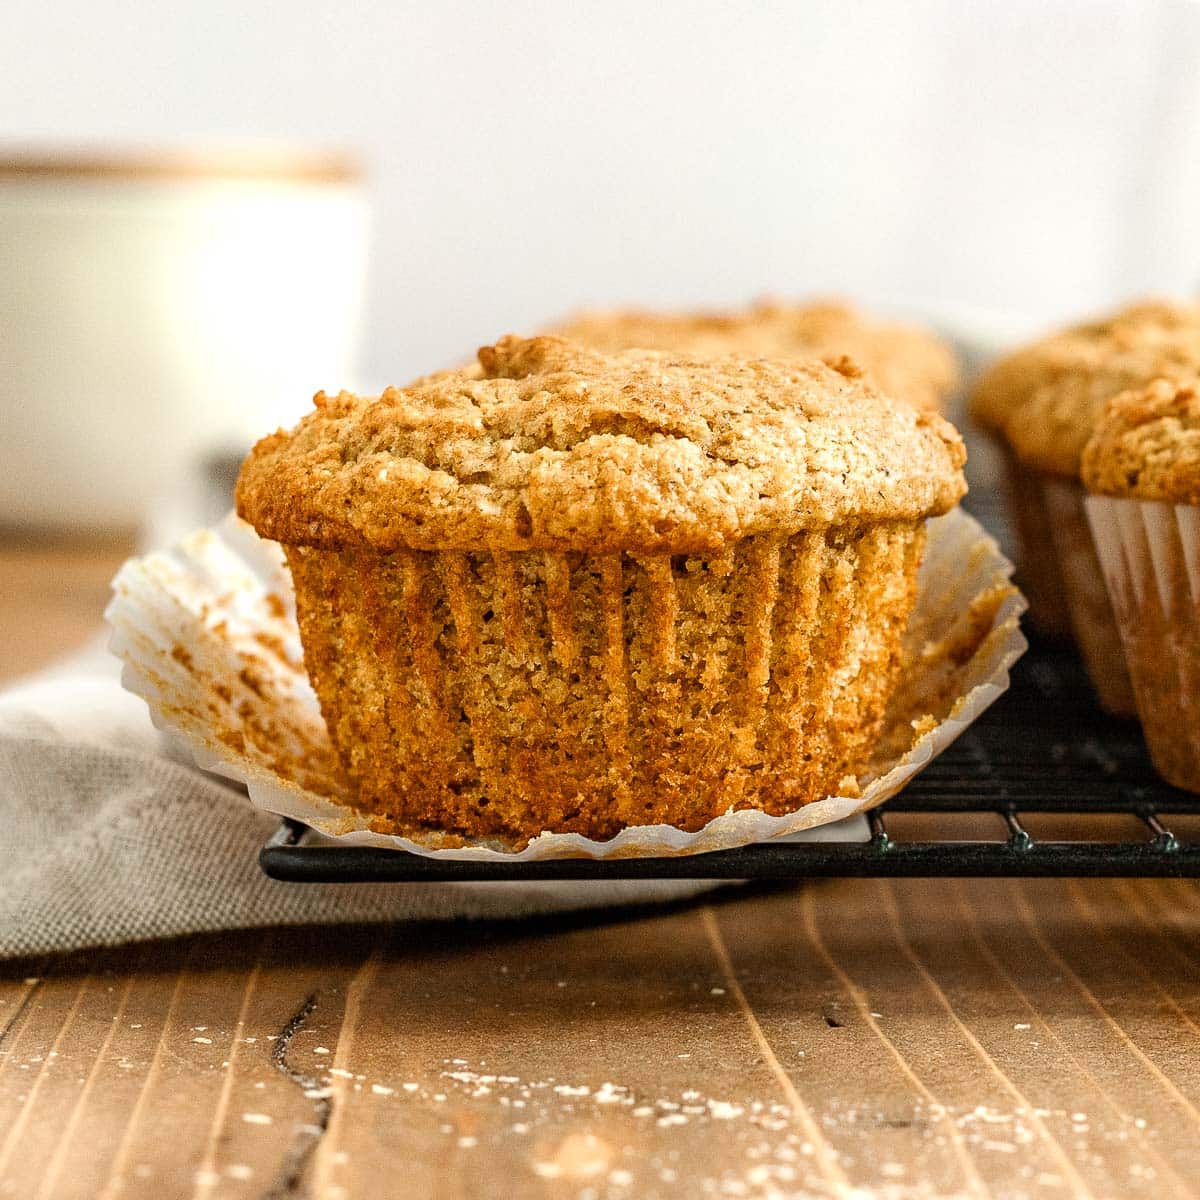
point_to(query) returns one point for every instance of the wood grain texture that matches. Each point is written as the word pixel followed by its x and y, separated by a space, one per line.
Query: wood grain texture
pixel 857 1039
pixel 865 1038
pixel 52 595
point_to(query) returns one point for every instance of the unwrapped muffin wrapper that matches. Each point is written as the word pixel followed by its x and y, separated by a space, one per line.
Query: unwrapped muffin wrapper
pixel 1150 553
pixel 207 633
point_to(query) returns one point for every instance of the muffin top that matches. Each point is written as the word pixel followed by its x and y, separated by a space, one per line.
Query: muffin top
pixel 1044 400
pixel 549 444
pixel 1146 445
pixel 903 361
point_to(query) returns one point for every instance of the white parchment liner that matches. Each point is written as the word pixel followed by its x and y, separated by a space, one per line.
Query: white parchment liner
pixel 208 637
pixel 1150 554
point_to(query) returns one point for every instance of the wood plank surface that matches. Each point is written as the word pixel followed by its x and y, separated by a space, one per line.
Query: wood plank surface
pixel 52 592
pixel 853 1039
pixel 923 1038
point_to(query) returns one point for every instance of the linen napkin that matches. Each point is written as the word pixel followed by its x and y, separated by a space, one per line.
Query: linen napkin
pixel 112 837
pixel 109 835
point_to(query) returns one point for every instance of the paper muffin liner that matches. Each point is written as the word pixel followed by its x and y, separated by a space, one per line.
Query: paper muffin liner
pixel 1150 555
pixel 1062 578
pixel 1038 565
pixel 1091 612
pixel 207 633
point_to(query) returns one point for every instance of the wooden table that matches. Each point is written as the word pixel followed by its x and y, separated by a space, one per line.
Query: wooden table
pixel 850 1039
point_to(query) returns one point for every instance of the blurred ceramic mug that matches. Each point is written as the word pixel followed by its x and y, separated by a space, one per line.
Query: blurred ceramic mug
pixel 159 308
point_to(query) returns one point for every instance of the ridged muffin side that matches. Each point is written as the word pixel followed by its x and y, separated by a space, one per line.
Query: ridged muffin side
pixel 502 694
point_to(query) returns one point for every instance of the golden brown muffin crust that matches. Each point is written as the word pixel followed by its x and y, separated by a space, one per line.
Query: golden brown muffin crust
pixel 903 361
pixel 555 446
pixel 1044 400
pixel 1147 445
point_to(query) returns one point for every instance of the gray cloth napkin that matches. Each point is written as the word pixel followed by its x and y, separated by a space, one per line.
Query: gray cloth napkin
pixel 109 837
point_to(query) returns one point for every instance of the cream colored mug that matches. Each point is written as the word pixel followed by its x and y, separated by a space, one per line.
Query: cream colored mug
pixel 159 308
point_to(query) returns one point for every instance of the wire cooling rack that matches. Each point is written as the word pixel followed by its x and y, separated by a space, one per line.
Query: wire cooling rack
pixel 1042 763
pixel 1043 784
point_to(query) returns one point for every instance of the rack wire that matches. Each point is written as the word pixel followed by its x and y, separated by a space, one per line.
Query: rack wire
pixel 1043 754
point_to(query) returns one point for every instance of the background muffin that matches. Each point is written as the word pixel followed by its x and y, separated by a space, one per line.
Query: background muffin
pixel 1143 466
pixel 904 361
pixel 1042 403
pixel 578 592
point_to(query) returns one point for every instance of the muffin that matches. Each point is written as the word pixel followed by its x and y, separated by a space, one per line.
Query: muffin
pixel 576 592
pixel 903 361
pixel 1042 403
pixel 1142 466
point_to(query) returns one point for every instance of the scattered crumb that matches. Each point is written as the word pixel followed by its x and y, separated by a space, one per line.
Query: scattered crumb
pixel 722 1110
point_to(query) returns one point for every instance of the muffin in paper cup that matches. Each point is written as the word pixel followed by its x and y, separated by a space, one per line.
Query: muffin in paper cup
pixel 576 592
pixel 1042 403
pixel 208 637
pixel 1142 465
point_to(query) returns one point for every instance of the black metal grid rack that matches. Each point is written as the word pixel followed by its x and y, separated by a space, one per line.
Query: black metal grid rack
pixel 1044 750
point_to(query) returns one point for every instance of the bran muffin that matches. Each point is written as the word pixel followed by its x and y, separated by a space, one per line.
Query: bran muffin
pixel 576 592
pixel 1042 404
pixel 903 361
pixel 1142 468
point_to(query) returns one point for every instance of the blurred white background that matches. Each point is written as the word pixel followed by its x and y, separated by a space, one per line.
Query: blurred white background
pixel 1029 157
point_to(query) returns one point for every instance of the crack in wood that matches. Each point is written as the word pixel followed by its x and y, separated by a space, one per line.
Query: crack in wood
pixel 308 1137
